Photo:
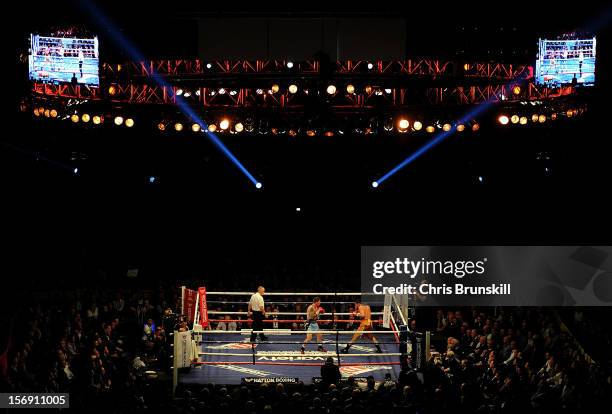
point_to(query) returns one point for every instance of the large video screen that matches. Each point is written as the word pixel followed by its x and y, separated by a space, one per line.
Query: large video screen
pixel 566 61
pixel 64 59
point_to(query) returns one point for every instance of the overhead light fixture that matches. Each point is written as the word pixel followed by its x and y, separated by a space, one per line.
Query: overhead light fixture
pixel 293 88
pixel 178 127
pixel 224 124
pixel 350 89
pixel 118 120
pixel 331 89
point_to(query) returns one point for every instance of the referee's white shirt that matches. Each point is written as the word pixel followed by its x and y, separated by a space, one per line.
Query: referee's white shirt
pixel 257 302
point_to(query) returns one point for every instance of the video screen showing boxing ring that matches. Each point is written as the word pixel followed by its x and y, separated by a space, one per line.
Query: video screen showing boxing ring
pixel 566 61
pixel 225 352
pixel 64 60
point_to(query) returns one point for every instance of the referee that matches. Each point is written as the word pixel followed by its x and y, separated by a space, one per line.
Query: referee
pixel 258 311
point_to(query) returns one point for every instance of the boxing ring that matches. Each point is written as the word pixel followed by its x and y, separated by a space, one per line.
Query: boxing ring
pixel 229 357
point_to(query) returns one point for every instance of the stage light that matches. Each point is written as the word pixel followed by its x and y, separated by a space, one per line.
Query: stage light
pixel 212 128
pixel 374 184
pixel 430 129
pixel 197 92
pixel 329 133
pixel 503 119
pixel 292 133
pixel 221 91
pixel 195 127
pixel 249 124
pixel 553 117
pixel 388 124
pixel 112 90
pixel 259 91
pixel 290 65
pixel 514 119
pixel 275 88
pixel 36 112
pixel 466 66
pixel 212 92
pixel 368 89
pixel 161 126
pixel 480 179
pixel 74 118
pixel 233 92
pixel 460 128
pixel 418 125
pixel 224 124
pixel 403 124
pixel 258 185
pixel 293 88
pixel 542 119
pixel 209 65
pixel 523 120
pixel 152 179
pixel 370 65
pixel 516 90
pixel 187 94
pixel 47 113
pixel 84 117
pixel 274 131
pixel 311 132
pixel 178 127
pixel 331 89
pixel 446 127
pixel 179 92
pixel 350 89
pixel 118 120
pixel 129 122
pixel 53 113
pixel 75 171
pixel 475 126
pixel 239 127
pixel 388 91
pixel 569 113
pixel 534 118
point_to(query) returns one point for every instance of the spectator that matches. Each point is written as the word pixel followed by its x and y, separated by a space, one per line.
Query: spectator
pixel 330 372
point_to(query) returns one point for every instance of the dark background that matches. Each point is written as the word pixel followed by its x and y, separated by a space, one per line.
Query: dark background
pixel 59 227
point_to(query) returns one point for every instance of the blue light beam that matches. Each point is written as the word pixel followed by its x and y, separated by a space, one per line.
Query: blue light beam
pixel 432 143
pixel 104 21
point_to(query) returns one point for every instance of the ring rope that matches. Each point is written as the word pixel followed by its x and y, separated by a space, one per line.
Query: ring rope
pixel 297 364
pixel 280 354
pixel 291 320
pixel 291 332
pixel 288 343
pixel 281 313
pixel 288 293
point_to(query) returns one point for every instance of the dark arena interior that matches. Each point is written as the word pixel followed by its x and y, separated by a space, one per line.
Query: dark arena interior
pixel 163 161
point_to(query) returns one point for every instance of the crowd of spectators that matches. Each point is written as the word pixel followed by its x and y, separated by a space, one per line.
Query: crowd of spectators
pixel 101 345
pixel 95 345
pixel 482 361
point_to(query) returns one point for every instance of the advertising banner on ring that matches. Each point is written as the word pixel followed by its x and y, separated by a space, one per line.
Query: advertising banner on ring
pixel 489 275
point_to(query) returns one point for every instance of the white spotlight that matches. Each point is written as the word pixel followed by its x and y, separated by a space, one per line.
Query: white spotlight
pixel 374 184
pixel 290 64
pixel 258 185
